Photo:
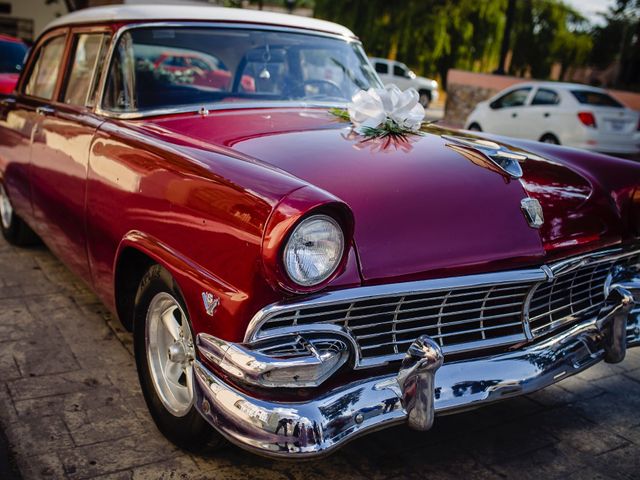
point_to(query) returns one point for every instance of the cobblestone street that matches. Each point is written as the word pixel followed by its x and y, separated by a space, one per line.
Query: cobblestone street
pixel 70 407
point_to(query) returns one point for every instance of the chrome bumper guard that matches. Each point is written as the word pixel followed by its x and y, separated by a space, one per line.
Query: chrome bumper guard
pixel 424 385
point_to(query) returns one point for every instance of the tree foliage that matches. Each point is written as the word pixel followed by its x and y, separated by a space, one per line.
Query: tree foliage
pixel 619 39
pixel 433 36
pixel 429 35
pixel 548 32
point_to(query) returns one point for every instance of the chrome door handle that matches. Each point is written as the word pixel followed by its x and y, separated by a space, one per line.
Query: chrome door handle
pixel 514 115
pixel 546 114
pixel 45 110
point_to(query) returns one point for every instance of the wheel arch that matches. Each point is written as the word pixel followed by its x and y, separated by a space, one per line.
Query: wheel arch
pixel 548 133
pixel 137 252
pixel 131 265
pixel 426 90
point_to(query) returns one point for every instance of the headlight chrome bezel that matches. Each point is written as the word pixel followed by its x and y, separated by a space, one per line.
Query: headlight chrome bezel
pixel 331 272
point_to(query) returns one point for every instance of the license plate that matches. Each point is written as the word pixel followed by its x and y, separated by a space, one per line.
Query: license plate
pixel 617 125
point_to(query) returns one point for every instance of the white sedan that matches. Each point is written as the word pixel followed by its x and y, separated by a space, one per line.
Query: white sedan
pixel 561 113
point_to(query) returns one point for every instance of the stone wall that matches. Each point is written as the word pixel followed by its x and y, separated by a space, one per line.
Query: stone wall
pixel 461 100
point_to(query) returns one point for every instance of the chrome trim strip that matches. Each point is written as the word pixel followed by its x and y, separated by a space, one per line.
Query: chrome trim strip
pixel 609 255
pixel 217 107
pixel 525 311
pixel 100 110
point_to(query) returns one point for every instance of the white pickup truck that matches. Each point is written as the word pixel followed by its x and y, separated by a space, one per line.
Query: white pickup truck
pixel 391 71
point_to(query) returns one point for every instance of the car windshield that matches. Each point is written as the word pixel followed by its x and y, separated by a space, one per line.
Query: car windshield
pixel 597 99
pixel 158 68
pixel 12 56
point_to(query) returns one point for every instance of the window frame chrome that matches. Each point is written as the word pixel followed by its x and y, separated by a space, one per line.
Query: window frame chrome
pixel 104 112
pixel 94 83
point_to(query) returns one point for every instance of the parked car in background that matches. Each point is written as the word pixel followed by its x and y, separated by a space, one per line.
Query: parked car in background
pixel 392 72
pixel 560 113
pixel 292 283
pixel 12 56
pixel 199 69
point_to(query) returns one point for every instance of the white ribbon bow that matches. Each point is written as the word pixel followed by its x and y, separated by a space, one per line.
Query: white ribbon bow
pixel 374 107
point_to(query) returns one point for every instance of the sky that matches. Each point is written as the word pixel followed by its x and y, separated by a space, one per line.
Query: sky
pixel 590 8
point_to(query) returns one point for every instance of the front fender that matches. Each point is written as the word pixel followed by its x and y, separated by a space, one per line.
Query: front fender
pixel 193 280
pixel 286 214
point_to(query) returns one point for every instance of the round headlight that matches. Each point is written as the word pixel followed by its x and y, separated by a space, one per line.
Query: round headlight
pixel 314 250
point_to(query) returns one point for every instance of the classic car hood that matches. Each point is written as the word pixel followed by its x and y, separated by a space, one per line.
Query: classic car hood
pixel 421 207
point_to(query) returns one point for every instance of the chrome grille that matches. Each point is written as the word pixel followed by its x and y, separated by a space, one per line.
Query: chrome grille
pixel 387 326
pixel 460 317
pixel 568 298
pixel 571 296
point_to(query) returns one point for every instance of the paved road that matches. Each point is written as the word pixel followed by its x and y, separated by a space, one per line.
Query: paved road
pixel 71 408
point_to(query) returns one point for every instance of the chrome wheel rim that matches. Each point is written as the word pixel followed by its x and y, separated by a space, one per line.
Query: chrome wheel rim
pixel 170 353
pixel 6 210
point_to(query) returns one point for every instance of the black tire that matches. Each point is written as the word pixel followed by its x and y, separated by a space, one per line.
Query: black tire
pixel 14 229
pixel 425 98
pixel 190 432
pixel 550 138
pixel 474 127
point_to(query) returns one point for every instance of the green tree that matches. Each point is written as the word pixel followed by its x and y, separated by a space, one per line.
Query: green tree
pixel 433 36
pixel 429 35
pixel 546 32
pixel 619 40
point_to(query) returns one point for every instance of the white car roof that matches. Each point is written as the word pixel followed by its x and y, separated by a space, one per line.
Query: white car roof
pixel 173 13
pixel 559 85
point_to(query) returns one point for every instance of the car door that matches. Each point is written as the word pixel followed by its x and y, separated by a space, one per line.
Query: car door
pixel 60 151
pixel 401 76
pixel 504 113
pixel 541 115
pixel 18 116
pixel 383 71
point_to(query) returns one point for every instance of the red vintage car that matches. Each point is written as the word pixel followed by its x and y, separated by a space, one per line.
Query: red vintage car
pixel 12 53
pixel 199 69
pixel 290 280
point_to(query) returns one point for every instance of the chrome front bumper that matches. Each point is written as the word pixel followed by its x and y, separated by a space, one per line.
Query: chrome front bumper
pixel 422 387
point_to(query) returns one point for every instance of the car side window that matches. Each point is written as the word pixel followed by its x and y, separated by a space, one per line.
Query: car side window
pixel 515 98
pixel 382 68
pixel 83 71
pixel 399 71
pixel 44 74
pixel 545 96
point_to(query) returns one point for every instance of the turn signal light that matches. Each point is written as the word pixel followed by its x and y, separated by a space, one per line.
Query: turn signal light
pixel 587 119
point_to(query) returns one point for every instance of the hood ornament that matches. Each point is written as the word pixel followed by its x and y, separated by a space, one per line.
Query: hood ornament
pixel 506 160
pixel 532 211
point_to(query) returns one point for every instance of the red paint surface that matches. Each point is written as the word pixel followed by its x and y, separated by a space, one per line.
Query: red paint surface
pixel 8 82
pixel 213 199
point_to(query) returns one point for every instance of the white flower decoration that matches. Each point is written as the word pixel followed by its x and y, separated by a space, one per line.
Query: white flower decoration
pixel 377 107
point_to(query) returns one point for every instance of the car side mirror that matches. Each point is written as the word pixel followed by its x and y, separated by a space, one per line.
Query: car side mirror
pixel 495 105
